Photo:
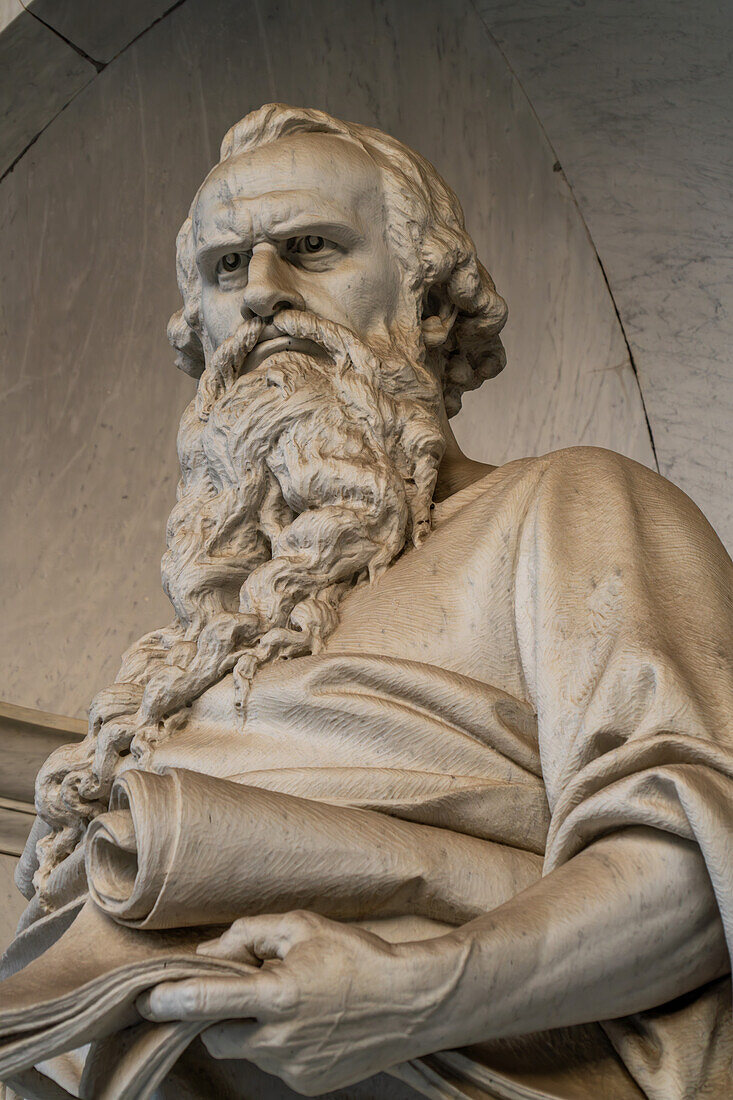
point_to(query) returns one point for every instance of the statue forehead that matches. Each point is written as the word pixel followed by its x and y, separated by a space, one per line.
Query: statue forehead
pixel 316 170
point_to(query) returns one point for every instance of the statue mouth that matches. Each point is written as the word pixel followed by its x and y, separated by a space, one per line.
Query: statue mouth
pixel 271 341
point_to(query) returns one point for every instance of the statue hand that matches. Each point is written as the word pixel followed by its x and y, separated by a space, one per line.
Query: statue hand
pixel 331 1004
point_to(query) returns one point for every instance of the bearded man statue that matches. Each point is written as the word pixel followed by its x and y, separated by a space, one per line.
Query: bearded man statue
pixel 440 753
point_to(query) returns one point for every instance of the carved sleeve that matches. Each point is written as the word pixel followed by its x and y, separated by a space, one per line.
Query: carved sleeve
pixel 625 626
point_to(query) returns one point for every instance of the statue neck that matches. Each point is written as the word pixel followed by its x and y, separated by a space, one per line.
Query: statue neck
pixel 456 470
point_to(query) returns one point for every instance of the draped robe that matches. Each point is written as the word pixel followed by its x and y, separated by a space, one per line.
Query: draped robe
pixel 552 665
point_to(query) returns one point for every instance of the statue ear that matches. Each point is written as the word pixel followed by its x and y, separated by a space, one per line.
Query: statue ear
pixel 438 317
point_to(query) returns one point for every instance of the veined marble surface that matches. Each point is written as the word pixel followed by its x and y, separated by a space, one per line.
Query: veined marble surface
pixel 39 75
pixel 636 99
pixel 100 30
pixel 91 399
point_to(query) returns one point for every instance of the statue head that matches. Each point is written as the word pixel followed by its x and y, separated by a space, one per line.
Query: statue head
pixel 402 264
pixel 334 311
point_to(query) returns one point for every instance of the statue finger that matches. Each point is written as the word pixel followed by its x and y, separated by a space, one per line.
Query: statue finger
pixel 230 945
pixel 249 997
pixel 255 939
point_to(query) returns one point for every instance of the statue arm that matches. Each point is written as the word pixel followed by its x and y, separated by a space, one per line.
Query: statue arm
pixel 623 626
pixel 627 924
pixel 623 599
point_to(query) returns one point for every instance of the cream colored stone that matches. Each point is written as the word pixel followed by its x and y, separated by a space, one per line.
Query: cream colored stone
pixel 448 746
pixel 90 408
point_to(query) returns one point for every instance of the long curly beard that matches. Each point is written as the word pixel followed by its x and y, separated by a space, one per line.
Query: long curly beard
pixel 298 479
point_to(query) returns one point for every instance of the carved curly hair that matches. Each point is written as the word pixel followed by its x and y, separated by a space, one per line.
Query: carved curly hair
pixel 427 232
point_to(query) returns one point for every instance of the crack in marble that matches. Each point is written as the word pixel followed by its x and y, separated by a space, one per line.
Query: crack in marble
pixel 100 66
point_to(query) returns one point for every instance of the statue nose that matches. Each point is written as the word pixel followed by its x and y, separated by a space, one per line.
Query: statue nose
pixel 269 284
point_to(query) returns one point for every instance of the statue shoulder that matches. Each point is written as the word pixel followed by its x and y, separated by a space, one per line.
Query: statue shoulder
pixel 565 472
pixel 593 477
pixel 589 489
pixel 587 501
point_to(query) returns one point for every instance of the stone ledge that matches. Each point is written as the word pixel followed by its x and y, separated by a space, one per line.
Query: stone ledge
pixel 15 825
pixel 27 737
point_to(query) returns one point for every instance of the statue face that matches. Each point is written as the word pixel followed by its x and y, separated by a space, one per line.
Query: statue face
pixel 298 224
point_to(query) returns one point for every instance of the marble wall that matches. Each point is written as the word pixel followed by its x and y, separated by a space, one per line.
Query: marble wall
pixel 636 97
pixel 89 214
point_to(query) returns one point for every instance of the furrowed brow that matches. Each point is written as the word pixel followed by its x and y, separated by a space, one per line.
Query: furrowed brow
pixel 216 246
pixel 278 216
pixel 312 224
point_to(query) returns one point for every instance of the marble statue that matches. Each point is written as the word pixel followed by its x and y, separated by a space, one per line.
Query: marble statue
pixel 429 782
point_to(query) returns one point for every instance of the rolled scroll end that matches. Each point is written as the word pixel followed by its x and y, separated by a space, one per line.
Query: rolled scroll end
pixel 112 863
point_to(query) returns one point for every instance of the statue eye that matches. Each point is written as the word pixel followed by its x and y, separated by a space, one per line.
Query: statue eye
pixel 232 261
pixel 306 245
